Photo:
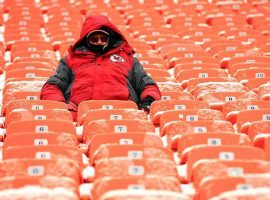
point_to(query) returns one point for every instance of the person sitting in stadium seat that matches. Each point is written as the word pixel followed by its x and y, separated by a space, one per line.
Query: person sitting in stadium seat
pixel 100 66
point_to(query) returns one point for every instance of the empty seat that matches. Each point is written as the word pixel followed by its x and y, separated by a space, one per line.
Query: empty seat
pixel 159 107
pixel 35 139
pixel 103 185
pixel 231 109
pixel 246 117
pixel 132 151
pixel 46 187
pixel 175 129
pixel 227 168
pixel 34 105
pixel 189 141
pixel 245 185
pixel 24 114
pixel 115 126
pixel 115 114
pixel 41 127
pixel 104 105
pixel 44 152
pixel 127 167
pixel 226 152
pixel 189 115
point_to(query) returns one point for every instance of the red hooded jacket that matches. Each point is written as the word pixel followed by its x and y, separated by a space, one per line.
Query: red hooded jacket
pixel 115 74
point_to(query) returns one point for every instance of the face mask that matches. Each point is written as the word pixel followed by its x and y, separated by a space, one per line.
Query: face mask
pixel 97 49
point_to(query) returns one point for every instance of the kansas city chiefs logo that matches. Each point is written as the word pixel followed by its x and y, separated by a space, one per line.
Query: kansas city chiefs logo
pixel 116 58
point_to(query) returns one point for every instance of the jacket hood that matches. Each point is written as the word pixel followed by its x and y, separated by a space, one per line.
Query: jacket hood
pixel 99 22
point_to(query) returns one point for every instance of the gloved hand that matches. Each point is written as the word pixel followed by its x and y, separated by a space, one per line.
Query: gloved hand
pixel 146 103
pixel 72 107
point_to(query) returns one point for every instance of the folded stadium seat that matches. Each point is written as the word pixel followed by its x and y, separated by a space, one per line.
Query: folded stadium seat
pixel 254 83
pixel 203 88
pixel 169 86
pixel 184 75
pixel 197 60
pixel 189 115
pixel 25 38
pixel 246 117
pixel 24 114
pixel 249 39
pixel 34 105
pixel 199 31
pixel 225 56
pixel 53 62
pixel 45 152
pixel 46 187
pixel 33 54
pixel 153 61
pixel 85 106
pixel 177 55
pixel 34 139
pixel 159 107
pixel 140 45
pixel 239 66
pixel 247 187
pixel 56 40
pixel 84 6
pixel 224 45
pixel 136 138
pixel 22 85
pixel 64 28
pixel 188 142
pixel 40 168
pixel 157 72
pixel 151 195
pixel 128 167
pixel 175 129
pixel 231 109
pixel 144 184
pixel 32 47
pixel 115 126
pixel 29 73
pixel 218 18
pixel 242 75
pixel 18 95
pixel 257 130
pixel 248 59
pixel 223 153
pixel 263 91
pixel 241 33
pixel 166 50
pixel 201 39
pixel 217 99
pixel 147 53
pixel 227 168
pixel 152 34
pixel 130 151
pixel 29 65
pixel 156 41
pixel 194 82
pixel 180 23
pixel 168 95
pixel 41 127
pixel 114 114
pixel 186 66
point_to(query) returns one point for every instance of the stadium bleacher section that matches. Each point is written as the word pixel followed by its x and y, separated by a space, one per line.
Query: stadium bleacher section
pixel 207 138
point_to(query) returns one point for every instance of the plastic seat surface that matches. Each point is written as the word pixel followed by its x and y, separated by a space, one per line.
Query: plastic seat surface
pixel 115 126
